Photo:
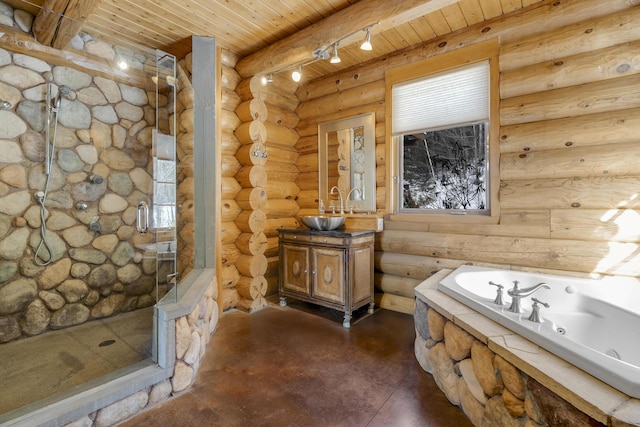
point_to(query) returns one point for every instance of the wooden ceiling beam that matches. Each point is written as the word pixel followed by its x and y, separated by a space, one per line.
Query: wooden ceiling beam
pixel 59 21
pixel 297 48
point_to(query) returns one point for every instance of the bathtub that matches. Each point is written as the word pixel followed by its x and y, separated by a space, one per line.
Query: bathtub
pixel 592 324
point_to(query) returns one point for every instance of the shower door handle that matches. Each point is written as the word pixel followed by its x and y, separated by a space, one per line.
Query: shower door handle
pixel 142 223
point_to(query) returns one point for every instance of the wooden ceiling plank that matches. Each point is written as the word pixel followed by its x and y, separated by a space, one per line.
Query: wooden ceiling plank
pixel 154 14
pixel 511 5
pixel 408 34
pixel 237 37
pixel 313 10
pixel 296 49
pixel 454 17
pixel 491 8
pixel 121 27
pixel 143 38
pixel 143 22
pixel 198 21
pixel 472 11
pixel 423 28
pixel 438 23
pixel 260 16
pixel 179 21
pixel 394 37
pixel 299 15
pixel 203 10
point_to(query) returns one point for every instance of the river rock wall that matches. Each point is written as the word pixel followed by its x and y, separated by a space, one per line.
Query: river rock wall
pixel 104 128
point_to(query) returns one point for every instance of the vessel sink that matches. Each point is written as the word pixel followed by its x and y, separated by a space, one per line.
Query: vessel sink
pixel 323 222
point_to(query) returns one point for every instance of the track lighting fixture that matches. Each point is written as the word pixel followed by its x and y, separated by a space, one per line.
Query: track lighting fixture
pixel 366 44
pixel 335 59
pixel 322 53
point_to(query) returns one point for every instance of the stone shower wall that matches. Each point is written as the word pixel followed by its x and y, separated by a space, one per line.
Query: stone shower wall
pixel 104 129
pixel 489 389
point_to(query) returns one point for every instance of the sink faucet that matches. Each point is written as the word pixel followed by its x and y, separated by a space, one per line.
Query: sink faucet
pixel 341 199
pixel 517 294
pixel 349 195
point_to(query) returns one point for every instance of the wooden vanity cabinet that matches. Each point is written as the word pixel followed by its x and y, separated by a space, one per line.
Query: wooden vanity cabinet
pixel 329 268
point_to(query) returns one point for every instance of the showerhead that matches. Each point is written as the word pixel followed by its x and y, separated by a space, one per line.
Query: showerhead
pixel 4 105
pixel 62 91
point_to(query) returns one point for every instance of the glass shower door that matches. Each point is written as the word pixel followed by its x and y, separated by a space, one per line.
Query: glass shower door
pixel 164 210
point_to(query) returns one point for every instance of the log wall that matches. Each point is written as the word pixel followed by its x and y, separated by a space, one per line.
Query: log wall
pixel 262 192
pixel 569 115
pixel 229 210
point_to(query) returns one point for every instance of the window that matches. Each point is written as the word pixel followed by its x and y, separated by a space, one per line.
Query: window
pixel 442 154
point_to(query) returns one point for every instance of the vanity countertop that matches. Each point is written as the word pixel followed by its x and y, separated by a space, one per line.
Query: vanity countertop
pixel 333 233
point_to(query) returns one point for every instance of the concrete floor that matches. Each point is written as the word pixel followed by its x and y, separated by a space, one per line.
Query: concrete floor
pixel 41 366
pixel 297 366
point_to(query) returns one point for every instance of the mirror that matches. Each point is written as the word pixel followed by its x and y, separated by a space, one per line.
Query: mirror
pixel 346 159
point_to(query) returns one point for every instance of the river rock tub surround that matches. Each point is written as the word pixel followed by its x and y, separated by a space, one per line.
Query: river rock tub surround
pixel 499 378
pixel 593 324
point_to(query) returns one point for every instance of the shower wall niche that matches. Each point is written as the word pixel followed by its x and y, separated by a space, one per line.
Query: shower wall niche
pixel 95 262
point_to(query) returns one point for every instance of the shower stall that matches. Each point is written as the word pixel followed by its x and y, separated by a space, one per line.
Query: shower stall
pixel 88 230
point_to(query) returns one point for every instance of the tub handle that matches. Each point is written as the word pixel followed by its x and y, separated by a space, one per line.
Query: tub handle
pixel 498 299
pixel 142 218
pixel 535 310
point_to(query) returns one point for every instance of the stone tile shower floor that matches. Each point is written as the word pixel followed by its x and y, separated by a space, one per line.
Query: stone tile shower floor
pixel 41 366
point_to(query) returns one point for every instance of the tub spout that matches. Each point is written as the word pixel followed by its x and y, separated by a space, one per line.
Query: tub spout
pixel 517 294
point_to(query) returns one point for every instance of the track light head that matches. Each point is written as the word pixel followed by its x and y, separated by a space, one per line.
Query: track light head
pixel 266 79
pixel 296 74
pixel 335 59
pixel 366 44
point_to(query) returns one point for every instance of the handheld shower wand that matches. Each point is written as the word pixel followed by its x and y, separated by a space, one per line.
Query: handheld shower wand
pixel 53 106
pixel 47 151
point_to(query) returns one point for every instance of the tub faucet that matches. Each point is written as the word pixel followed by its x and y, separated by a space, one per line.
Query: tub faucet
pixel 517 294
pixel 341 198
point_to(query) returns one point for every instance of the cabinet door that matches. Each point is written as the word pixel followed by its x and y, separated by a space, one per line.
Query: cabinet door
pixel 328 274
pixel 296 269
pixel 362 279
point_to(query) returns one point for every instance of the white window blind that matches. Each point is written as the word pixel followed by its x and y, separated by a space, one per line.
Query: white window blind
pixel 449 98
